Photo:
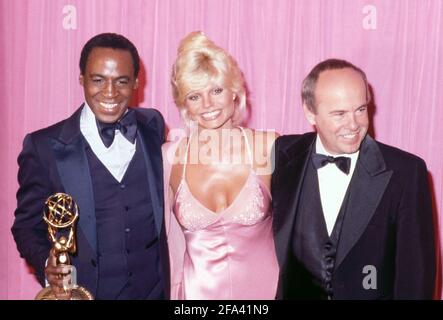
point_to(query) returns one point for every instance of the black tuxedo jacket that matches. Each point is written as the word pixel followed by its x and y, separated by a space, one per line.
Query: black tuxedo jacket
pixel 54 160
pixel 387 228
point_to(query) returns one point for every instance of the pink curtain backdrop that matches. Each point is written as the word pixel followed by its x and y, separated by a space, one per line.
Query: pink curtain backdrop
pixel 276 42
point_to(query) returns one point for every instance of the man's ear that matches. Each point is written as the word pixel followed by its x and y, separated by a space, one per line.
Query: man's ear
pixel 81 80
pixel 135 84
pixel 310 116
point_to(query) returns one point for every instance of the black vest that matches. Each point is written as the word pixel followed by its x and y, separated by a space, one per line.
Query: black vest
pixel 127 241
pixel 314 251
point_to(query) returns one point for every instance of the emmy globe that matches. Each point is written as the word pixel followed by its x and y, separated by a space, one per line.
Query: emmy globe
pixel 61 214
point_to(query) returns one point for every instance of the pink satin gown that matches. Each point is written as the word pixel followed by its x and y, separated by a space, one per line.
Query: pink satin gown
pixel 230 254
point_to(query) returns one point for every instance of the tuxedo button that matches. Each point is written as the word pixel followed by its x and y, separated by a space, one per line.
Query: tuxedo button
pixel 127 208
pixel 128 251
pixel 127 230
pixel 122 186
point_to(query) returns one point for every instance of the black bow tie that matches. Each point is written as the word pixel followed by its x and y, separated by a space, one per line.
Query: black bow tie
pixel 320 160
pixel 126 125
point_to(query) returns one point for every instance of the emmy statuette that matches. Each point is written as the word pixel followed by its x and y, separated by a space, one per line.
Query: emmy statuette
pixel 61 213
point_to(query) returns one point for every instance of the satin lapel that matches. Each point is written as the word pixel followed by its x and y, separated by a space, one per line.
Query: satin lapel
pixel 73 169
pixel 153 160
pixel 290 181
pixel 366 189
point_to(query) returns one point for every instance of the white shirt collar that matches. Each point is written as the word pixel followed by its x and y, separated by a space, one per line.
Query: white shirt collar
pixel 117 157
pixel 88 122
pixel 320 149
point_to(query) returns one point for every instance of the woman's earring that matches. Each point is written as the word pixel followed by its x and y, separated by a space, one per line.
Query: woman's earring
pixel 233 96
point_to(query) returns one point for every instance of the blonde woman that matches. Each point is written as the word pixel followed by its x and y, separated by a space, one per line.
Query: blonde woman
pixel 217 181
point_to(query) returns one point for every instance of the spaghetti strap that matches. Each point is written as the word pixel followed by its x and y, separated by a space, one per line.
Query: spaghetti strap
pixel 248 147
pixel 186 157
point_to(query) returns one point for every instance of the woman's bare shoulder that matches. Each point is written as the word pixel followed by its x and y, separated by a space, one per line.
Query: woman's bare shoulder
pixel 263 138
pixel 262 142
pixel 174 151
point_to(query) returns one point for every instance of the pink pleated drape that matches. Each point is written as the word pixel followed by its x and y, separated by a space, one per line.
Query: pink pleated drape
pixel 276 42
